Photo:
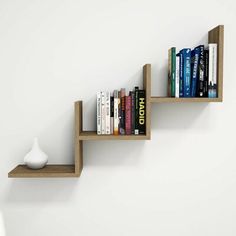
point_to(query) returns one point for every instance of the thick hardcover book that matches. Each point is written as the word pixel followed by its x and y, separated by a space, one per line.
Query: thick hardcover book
pixel 142 112
pixel 99 121
pixel 116 112
pixel 181 75
pixel 173 70
pixel 186 55
pixel 103 112
pixel 112 115
pixel 212 84
pixel 108 115
pixel 132 94
pixel 200 89
pixel 169 74
pixel 122 115
pixel 206 72
pixel 177 77
pixel 195 64
pixel 136 92
pixel 128 116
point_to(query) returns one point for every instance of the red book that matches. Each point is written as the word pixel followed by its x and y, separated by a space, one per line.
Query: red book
pixel 128 128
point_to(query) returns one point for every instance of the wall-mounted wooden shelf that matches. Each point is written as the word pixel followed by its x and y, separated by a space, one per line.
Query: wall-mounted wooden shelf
pixel 22 171
pixel 216 35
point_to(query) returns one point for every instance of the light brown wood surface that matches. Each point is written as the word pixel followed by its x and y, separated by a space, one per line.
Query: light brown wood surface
pixel 182 100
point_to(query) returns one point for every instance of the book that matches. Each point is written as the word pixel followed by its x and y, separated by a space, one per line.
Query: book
pixel 108 109
pixel 128 128
pixel 177 77
pixel 99 121
pixel 181 75
pixel 186 71
pixel 103 112
pixel 112 115
pixel 200 87
pixel 206 73
pixel 212 81
pixel 195 55
pixel 169 73
pixel 122 115
pixel 132 111
pixel 136 92
pixel 173 70
pixel 141 112
pixel 116 112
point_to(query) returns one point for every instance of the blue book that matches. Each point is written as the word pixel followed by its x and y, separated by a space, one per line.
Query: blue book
pixel 186 71
pixel 195 54
pixel 181 77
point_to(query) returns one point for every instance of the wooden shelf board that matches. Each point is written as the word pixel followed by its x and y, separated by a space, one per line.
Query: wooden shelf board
pixel 22 171
pixel 92 135
pixel 182 100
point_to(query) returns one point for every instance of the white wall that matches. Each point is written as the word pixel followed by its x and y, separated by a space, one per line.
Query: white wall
pixel 55 52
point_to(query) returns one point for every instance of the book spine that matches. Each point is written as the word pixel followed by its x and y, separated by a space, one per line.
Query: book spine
pixel 187 71
pixel 181 75
pixel 112 115
pixel 169 74
pixel 116 112
pixel 173 70
pixel 99 121
pixel 133 111
pixel 136 130
pixel 128 128
pixel 206 71
pixel 177 71
pixel 195 64
pixel 108 115
pixel 142 112
pixel 122 119
pixel 103 112
pixel 201 72
pixel 212 85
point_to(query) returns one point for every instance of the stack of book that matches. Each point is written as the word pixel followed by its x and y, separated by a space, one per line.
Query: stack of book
pixel 193 73
pixel 121 114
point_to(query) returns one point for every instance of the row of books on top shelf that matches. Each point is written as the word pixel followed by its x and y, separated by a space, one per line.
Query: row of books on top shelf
pixel 193 73
pixel 121 114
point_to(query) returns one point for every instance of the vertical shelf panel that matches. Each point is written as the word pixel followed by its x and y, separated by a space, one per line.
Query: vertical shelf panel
pixel 216 35
pixel 78 143
pixel 147 87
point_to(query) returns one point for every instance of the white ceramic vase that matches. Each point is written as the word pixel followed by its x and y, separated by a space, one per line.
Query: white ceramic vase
pixel 36 158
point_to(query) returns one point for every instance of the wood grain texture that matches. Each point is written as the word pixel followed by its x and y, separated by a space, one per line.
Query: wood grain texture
pixel 22 171
pixel 216 35
pixel 147 87
pixel 78 142
pixel 92 135
pixel 183 100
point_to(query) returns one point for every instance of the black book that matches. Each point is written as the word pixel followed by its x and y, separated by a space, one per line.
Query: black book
pixel 112 114
pixel 136 127
pixel 132 94
pixel 142 112
pixel 200 87
pixel 206 74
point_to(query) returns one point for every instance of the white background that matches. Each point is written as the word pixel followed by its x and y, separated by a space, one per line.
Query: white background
pixel 55 52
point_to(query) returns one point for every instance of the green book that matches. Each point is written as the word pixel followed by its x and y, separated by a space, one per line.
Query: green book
pixel 173 70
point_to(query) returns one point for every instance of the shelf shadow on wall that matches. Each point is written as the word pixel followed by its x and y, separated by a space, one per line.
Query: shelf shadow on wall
pixel 179 116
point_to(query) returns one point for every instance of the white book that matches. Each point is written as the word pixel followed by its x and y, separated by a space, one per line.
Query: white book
pixel 99 120
pixel 103 112
pixel 108 116
pixel 177 78
pixel 212 80
pixel 116 112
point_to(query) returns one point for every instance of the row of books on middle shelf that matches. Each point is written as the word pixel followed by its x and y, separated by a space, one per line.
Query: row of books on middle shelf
pixel 193 73
pixel 121 114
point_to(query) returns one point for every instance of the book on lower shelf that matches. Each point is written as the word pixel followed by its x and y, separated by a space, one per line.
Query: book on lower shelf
pixel 121 113
pixel 193 72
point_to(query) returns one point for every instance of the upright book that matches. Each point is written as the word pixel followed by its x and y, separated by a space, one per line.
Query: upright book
pixel 171 71
pixel 99 121
pixel 200 89
pixel 195 55
pixel 142 112
pixel 136 92
pixel 108 116
pixel 122 115
pixel 112 115
pixel 128 115
pixel 212 83
pixel 177 77
pixel 116 112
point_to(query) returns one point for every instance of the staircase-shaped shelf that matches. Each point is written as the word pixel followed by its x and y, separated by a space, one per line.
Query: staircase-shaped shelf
pixel 216 35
